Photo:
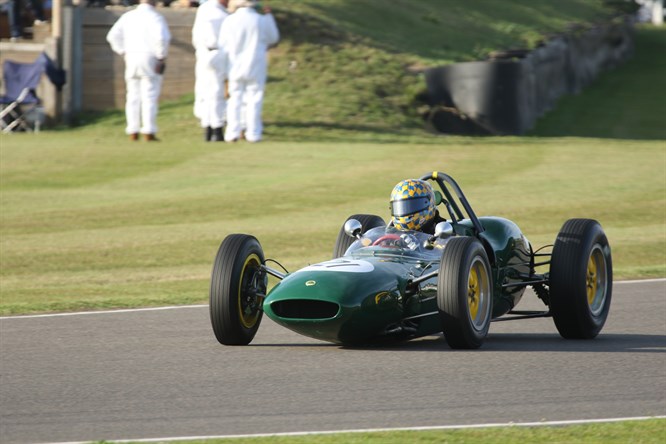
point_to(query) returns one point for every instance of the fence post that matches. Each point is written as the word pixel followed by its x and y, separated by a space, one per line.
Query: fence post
pixel 72 61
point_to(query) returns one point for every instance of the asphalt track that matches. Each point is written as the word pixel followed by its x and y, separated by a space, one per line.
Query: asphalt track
pixel 160 373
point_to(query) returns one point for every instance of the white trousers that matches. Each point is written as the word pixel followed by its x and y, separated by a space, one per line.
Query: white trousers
pixel 210 106
pixel 143 92
pixel 251 94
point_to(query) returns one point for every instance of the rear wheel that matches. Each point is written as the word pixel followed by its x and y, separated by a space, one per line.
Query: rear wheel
pixel 464 293
pixel 581 279
pixel 343 242
pixel 237 290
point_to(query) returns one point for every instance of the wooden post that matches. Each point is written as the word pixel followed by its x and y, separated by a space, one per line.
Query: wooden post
pixel 56 18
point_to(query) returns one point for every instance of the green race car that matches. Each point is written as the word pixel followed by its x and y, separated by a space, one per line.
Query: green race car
pixel 387 284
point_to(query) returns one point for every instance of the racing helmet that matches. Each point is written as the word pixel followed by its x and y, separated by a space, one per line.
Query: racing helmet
pixel 412 204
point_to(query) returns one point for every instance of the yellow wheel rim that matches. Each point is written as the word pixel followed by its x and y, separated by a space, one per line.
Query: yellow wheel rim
pixel 247 312
pixel 596 280
pixel 473 293
pixel 478 294
pixel 591 280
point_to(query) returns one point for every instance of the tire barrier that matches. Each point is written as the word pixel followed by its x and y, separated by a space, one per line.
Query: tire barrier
pixel 507 93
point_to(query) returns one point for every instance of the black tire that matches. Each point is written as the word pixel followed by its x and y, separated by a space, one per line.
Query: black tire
pixel 237 290
pixel 465 293
pixel 581 279
pixel 368 221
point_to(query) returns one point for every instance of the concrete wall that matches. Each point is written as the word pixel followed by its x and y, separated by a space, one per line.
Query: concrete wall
pixel 508 93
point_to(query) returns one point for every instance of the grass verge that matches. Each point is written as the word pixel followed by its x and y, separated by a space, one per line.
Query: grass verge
pixel 640 432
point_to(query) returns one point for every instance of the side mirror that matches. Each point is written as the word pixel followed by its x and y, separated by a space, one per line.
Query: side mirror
pixel 443 230
pixel 353 228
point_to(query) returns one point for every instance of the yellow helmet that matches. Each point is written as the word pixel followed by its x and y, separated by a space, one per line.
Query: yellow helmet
pixel 412 204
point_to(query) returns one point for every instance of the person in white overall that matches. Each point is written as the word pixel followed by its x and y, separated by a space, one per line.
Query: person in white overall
pixel 142 36
pixel 210 69
pixel 246 36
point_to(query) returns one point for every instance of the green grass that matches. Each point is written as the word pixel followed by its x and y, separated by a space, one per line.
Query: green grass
pixel 145 231
pixel 638 432
pixel 438 31
pixel 89 220
pixel 353 68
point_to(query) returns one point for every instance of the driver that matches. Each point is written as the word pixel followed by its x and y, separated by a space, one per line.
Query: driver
pixel 413 206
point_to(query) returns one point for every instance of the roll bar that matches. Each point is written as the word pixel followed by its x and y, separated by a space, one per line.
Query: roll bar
pixel 452 206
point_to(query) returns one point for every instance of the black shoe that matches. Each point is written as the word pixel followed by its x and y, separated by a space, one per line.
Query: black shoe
pixel 208 133
pixel 217 135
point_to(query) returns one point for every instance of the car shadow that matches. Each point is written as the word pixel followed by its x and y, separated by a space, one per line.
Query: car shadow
pixel 606 343
pixel 512 342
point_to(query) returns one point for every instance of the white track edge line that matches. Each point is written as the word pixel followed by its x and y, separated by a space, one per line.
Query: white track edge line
pixel 120 310
pixel 177 307
pixel 640 281
pixel 396 429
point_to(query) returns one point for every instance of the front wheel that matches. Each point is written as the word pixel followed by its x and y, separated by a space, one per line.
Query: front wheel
pixel 581 279
pixel 237 290
pixel 464 293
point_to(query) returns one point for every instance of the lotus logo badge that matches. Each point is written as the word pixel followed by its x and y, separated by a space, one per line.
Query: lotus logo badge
pixel 310 283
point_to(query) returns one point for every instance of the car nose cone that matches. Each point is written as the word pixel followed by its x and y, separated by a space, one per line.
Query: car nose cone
pixel 337 301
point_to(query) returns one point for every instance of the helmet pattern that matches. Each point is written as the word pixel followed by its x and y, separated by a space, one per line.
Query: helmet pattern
pixel 411 189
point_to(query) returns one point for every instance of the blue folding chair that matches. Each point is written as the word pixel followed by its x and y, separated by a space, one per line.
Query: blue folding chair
pixel 20 99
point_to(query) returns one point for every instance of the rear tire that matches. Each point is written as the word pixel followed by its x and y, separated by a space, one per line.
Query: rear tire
pixel 581 279
pixel 343 242
pixel 465 293
pixel 237 290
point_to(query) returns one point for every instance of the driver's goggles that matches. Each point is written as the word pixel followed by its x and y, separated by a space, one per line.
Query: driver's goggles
pixel 409 206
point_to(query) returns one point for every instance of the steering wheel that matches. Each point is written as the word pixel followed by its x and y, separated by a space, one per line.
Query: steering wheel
pixel 388 240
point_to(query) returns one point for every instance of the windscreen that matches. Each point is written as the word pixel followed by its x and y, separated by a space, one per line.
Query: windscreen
pixel 389 241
